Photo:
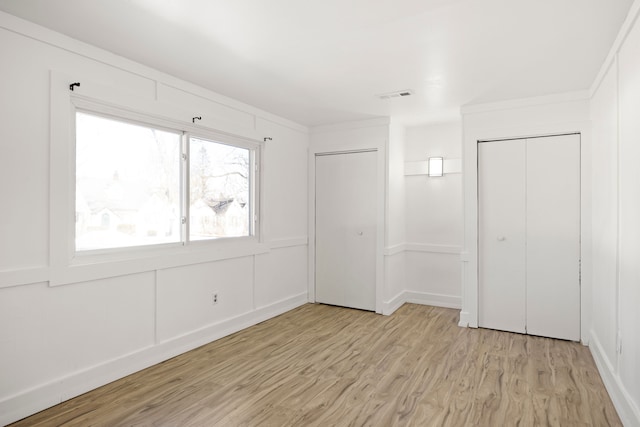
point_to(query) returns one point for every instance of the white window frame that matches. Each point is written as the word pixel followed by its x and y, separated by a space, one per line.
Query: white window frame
pixel 70 266
pixel 98 110
pixel 254 182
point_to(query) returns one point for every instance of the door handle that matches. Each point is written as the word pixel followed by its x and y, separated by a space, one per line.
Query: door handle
pixel 360 233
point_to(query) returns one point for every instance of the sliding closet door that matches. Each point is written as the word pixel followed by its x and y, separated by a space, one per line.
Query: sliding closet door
pixel 346 224
pixel 553 237
pixel 501 216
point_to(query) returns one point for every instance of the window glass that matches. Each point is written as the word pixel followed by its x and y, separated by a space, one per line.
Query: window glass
pixel 219 190
pixel 127 184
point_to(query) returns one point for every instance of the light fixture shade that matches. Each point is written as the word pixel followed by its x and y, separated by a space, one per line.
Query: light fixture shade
pixel 436 166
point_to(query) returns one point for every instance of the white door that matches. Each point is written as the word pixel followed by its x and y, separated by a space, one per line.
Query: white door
pixel 346 215
pixel 529 236
pixel 501 228
pixel 553 237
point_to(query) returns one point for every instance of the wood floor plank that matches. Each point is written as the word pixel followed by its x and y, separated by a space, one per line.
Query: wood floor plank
pixel 329 366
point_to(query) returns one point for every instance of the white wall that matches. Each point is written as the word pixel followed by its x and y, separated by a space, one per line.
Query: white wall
pixel 605 215
pixel 422 217
pixel 615 341
pixel 433 217
pixel 394 257
pixel 396 215
pixel 629 214
pixel 114 319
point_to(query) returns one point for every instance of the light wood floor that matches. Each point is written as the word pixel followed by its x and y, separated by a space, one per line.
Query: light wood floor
pixel 328 366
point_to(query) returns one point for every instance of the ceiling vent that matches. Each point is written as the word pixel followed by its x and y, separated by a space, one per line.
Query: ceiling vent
pixel 398 94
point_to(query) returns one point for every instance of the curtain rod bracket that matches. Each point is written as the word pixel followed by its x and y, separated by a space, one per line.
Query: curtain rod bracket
pixel 72 85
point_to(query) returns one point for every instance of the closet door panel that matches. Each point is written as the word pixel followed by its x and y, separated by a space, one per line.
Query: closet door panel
pixel 553 236
pixel 346 229
pixel 501 216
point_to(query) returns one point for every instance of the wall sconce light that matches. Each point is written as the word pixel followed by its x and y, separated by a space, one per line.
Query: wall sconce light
pixel 436 166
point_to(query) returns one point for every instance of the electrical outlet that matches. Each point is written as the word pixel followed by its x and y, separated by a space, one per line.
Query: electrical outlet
pixel 214 299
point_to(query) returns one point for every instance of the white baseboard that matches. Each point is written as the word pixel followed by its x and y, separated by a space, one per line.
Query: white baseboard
pixel 395 303
pixel 464 320
pixel 423 298
pixel 437 300
pixel 46 395
pixel 627 410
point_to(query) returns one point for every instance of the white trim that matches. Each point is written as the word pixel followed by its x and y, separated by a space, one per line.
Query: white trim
pixel 288 242
pixel 436 300
pixel 525 102
pixel 419 167
pixel 102 101
pixel 422 298
pixel 41 397
pixel 389 307
pixel 82 273
pixel 610 62
pixel 358 124
pixel 23 276
pixel 464 320
pixel 394 250
pixel 628 412
pixel 311 225
pixel 433 248
pixel 627 26
pixel 423 247
pixel 65 275
pixel 277 120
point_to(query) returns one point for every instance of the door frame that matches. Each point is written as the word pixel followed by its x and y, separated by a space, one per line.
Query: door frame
pixel 380 148
pixel 469 255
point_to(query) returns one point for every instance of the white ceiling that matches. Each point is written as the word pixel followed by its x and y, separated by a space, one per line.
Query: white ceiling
pixel 320 62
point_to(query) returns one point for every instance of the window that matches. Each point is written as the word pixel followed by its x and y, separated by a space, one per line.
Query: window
pixel 132 187
pixel 219 190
